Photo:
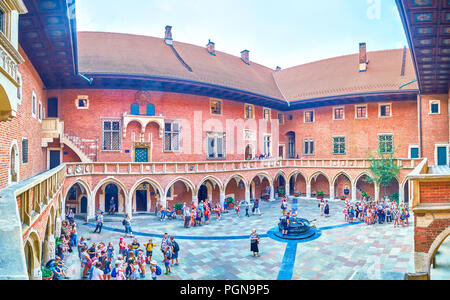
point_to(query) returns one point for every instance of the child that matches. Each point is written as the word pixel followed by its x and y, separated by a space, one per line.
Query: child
pixel 207 216
pixel 166 260
pixel 149 248
pixel 238 209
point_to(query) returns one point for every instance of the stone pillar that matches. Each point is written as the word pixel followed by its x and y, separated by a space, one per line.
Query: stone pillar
pixel 102 202
pixel 36 274
pixel 162 201
pixel 354 193
pixel 91 208
pixel 247 195
pixel 401 193
pixel 332 194
pixel 272 194
pixel 288 190
pixel 195 200
pixel 222 199
pixel 58 227
pixel 49 249
pixel 128 206
pixel 377 192
pixel 308 191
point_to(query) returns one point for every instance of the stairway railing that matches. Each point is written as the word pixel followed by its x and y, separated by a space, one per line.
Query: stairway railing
pixel 88 146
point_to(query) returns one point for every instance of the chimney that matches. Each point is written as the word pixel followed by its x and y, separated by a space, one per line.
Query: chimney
pixel 362 57
pixel 278 69
pixel 168 37
pixel 245 56
pixel 211 48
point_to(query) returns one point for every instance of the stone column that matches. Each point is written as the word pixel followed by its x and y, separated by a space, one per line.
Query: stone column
pixel 222 199
pixel 377 192
pixel 332 194
pixel 162 201
pixel 36 274
pixel 195 199
pixel 102 202
pixel 91 208
pixel 308 191
pixel 401 193
pixel 354 193
pixel 49 249
pixel 58 227
pixel 247 195
pixel 272 194
pixel 288 190
pixel 128 206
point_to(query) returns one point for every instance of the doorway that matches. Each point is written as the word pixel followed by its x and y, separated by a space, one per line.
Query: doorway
pixel 442 157
pixel 111 190
pixel 203 193
pixel 55 158
pixel 141 201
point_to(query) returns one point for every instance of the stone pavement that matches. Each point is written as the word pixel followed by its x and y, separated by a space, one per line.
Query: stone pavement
pixel 221 250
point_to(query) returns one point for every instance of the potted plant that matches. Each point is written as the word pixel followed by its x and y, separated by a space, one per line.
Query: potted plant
pixel 230 202
pixel 365 195
pixel 395 197
pixel 46 274
pixel 343 198
pixel 320 194
pixel 296 194
pixel 281 192
pixel 178 208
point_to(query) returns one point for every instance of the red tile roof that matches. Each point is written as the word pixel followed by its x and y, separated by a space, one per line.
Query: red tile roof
pixel 125 54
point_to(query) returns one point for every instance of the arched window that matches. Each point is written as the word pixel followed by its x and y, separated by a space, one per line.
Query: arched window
pixel 14 163
pixel 135 109
pixel 150 110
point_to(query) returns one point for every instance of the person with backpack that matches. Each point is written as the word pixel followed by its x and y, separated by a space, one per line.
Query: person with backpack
pixel 127 223
pixel 175 250
pixel 155 270
pixel 149 250
pixel 247 207
pixel 284 224
pixel 166 259
pixel 115 271
pixel 99 223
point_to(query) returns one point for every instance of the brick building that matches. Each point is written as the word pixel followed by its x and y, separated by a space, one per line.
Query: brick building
pixel 87 117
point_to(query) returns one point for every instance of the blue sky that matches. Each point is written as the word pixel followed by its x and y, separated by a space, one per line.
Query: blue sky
pixel 277 32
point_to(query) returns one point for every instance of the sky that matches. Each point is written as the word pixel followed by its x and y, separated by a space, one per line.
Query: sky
pixel 281 33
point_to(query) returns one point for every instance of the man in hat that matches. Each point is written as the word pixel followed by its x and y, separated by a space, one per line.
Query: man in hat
pixel 99 222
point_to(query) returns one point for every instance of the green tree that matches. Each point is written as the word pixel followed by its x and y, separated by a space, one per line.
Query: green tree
pixel 383 168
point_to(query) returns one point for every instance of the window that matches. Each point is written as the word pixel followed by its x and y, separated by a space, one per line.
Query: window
pixel 40 111
pixel 308 147
pixel 386 143
pixel 281 118
pixel 2 20
pixel 33 104
pixel 216 107
pixel 134 109
pixel 338 113
pixel 361 111
pixel 413 152
pixel 172 137
pixel 266 114
pixel 19 89
pixel 268 145
pixel 435 107
pixel 24 151
pixel 151 110
pixel 111 135
pixel 82 102
pixel 249 112
pixel 309 116
pixel 339 145
pixel 385 110
pixel 216 145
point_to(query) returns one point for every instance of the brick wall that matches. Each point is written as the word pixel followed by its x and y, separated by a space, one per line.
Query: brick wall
pixel 24 125
pixel 435 192
pixel 424 237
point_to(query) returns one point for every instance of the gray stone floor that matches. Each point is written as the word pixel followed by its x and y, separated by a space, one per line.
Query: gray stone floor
pixel 221 250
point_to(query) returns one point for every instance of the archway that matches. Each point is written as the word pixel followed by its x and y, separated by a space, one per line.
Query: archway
pixel 210 188
pixel 181 191
pixel 13 174
pixel 107 191
pixel 77 198
pixel 363 186
pixel 297 183
pixel 146 196
pixel 260 187
pixel 249 152
pixel 320 182
pixel 342 186
pixel 390 190
pixel 235 188
pixel 440 262
pixel 279 184
pixel 32 250
pixel 48 244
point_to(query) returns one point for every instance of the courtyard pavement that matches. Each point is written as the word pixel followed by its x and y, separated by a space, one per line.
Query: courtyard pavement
pixel 221 250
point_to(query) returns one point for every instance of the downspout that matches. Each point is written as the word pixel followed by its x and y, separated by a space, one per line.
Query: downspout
pixel 419 116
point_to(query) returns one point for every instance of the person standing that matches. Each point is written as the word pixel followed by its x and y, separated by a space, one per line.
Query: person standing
pixel 166 259
pixel 127 223
pixel 164 242
pixel 175 250
pixel 112 206
pixel 99 223
pixel 254 243
pixel 326 209
pixel 247 207
pixel 97 273
pixel 187 217
pixel 256 208
pixel 154 270
pixel 149 250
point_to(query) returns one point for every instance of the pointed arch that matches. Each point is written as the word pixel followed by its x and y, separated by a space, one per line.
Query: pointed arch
pixel 240 177
pixel 211 178
pixel 315 174
pixel 189 184
pixel 296 172
pixel 82 183
pixel 361 175
pixel 264 174
pixel 154 183
pixel 339 174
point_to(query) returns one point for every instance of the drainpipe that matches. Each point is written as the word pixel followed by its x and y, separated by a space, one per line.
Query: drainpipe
pixel 419 117
pixel 90 80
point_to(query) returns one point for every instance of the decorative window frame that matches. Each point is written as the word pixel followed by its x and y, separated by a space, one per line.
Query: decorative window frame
pixel 411 146
pixel 23 152
pixel 249 135
pixel 103 120
pixel 345 144
pixel 179 137
pixel 33 104
pixel 438 102
pixel 17 161
pixel 309 141
pixel 7 18
pixel 215 135
pixel 393 141
pixel 334 113
pixel 379 110
pixel 271 144
pixel 19 88
pixel 282 121
pixel 253 111
pixel 77 102
pixel 210 106
pixel 356 111
pixel 313 114
pixel 264 114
